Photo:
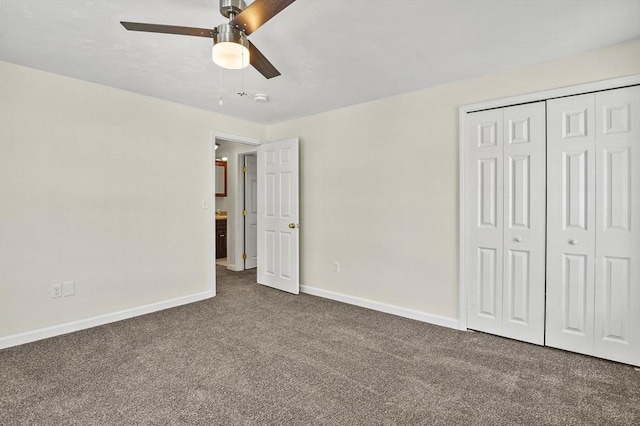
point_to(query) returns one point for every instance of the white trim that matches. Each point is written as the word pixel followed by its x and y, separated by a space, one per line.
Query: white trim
pixel 499 103
pixel 212 217
pixel 57 330
pixel 554 93
pixel 235 138
pixel 382 307
pixel 235 267
pixel 462 259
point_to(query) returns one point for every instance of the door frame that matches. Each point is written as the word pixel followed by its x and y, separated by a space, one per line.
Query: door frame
pixel 463 167
pixel 214 137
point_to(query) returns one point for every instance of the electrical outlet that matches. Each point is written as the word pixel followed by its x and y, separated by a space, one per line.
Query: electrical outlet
pixel 68 288
pixel 56 290
pixel 336 266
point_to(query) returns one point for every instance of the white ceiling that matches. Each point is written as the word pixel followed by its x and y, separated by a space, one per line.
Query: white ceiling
pixel 331 53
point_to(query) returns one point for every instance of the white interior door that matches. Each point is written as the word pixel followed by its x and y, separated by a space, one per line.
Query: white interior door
pixel 251 211
pixel 523 288
pixel 570 222
pixel 617 225
pixel 593 281
pixel 506 221
pixel 484 220
pixel 278 215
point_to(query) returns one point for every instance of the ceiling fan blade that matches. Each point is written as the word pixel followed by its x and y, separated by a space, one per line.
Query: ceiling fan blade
pixel 261 63
pixel 169 29
pixel 258 12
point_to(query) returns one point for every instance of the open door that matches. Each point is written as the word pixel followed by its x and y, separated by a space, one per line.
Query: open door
pixel 250 211
pixel 278 227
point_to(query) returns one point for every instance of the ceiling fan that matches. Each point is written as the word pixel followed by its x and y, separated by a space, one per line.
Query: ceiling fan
pixel 231 48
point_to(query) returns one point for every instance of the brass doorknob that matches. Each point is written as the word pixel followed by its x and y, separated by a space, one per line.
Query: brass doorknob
pixel 292 225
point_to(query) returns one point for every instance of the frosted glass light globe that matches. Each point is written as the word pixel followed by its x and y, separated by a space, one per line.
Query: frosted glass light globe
pixel 230 55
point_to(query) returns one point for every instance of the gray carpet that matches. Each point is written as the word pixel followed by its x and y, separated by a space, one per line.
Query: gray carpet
pixel 253 355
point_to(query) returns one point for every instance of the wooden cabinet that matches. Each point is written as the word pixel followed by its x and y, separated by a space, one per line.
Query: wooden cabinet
pixel 221 238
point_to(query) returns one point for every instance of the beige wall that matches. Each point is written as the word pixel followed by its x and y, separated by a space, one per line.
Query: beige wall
pixel 102 187
pixel 380 183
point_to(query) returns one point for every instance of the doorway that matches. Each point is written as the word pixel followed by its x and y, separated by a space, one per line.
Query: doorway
pixel 227 210
pixel 245 181
pixel 277 255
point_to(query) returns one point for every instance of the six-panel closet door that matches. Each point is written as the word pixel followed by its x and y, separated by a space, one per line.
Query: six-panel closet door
pixel 593 224
pixel 506 221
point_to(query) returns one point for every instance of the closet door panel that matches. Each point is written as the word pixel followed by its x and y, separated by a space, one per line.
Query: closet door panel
pixel 617 230
pixel 484 220
pixel 570 222
pixel 524 216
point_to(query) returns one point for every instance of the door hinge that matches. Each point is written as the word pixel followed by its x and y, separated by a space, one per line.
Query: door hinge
pixel 244 212
pixel 244 170
pixel 244 256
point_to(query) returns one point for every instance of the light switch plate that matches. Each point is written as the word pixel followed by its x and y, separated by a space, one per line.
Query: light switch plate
pixel 205 204
pixel 68 288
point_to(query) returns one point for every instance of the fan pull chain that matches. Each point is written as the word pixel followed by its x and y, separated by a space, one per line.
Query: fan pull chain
pixel 220 87
pixel 242 92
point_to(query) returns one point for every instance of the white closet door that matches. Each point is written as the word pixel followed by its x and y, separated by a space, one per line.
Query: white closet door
pixel 506 221
pixel 524 222
pixel 570 222
pixel 617 230
pixel 484 220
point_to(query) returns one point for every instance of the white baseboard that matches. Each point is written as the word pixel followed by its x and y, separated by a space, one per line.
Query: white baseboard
pixel 56 330
pixel 382 307
pixel 235 268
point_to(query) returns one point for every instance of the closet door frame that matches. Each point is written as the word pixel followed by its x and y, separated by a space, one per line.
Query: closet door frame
pixel 463 166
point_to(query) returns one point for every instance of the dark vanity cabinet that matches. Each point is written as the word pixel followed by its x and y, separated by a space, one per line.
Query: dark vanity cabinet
pixel 221 238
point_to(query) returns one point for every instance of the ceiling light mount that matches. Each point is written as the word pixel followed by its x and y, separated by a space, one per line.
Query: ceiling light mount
pixel 231 8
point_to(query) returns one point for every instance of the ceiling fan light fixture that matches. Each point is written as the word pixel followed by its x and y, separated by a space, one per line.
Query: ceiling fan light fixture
pixel 230 55
pixel 230 48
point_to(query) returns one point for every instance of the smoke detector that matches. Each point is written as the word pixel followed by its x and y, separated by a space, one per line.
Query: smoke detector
pixel 260 97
